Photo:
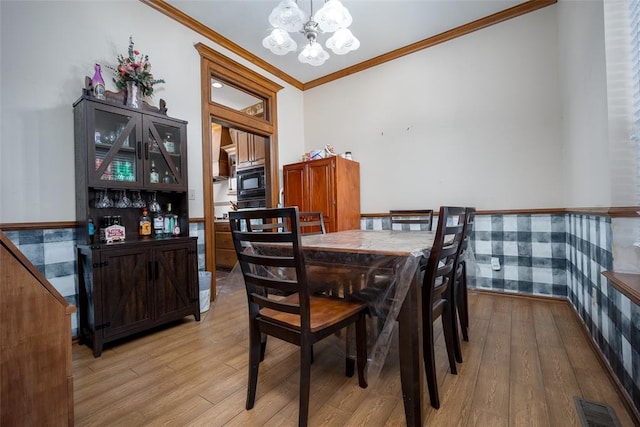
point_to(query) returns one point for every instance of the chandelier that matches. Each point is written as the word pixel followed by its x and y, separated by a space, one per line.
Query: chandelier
pixel 333 17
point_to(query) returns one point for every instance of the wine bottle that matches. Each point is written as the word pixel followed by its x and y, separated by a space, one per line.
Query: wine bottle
pixel 98 84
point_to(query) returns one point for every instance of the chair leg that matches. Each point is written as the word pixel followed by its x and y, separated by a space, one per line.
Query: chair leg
pixel 305 384
pixel 447 329
pixel 463 304
pixel 263 346
pixel 430 359
pixel 256 354
pixel 450 313
pixel 361 349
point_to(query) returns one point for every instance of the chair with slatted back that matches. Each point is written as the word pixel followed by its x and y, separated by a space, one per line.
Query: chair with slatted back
pixel 271 224
pixel 275 261
pixel 312 223
pixel 422 218
pixel 437 292
pixel 461 297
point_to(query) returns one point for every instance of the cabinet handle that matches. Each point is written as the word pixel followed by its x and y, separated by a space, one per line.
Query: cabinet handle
pixel 150 270
pixel 146 151
pixel 139 150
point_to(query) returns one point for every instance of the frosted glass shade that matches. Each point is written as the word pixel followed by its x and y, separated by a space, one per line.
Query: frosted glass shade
pixel 279 42
pixel 332 15
pixel 343 42
pixel 288 16
pixel 313 54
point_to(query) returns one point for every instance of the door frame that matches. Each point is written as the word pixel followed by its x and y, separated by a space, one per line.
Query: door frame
pixel 215 64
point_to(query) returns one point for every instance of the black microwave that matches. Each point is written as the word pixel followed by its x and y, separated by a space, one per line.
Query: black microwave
pixel 251 183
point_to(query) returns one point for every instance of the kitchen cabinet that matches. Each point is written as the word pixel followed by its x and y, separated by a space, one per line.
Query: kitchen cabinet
pixel 225 251
pixel 126 158
pixel 330 186
pixel 250 150
pixel 126 289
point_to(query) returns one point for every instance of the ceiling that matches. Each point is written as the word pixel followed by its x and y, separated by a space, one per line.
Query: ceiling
pixel 382 26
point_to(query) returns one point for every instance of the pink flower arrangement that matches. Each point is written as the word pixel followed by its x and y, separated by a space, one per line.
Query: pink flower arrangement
pixel 135 68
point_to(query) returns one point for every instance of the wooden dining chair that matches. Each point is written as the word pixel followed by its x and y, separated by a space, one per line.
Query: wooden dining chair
pixel 270 224
pixel 461 294
pixel 312 223
pixel 437 292
pixel 275 261
pixel 422 217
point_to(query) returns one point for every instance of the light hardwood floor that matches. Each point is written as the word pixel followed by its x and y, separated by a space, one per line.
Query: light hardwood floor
pixel 525 362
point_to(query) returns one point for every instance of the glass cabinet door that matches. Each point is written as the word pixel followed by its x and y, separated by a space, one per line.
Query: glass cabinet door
pixel 115 155
pixel 165 161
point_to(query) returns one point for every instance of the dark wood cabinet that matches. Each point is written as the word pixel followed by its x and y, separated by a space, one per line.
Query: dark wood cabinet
pixel 225 251
pixel 330 186
pixel 116 149
pixel 251 150
pixel 135 285
pixel 125 289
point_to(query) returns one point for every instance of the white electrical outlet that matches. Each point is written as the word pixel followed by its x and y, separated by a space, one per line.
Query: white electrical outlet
pixel 495 263
pixel 192 194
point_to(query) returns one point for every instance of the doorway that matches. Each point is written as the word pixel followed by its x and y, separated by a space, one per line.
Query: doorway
pixel 234 97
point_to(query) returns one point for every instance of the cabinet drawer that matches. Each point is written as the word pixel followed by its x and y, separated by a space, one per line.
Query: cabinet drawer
pixel 224 241
pixel 225 258
pixel 222 226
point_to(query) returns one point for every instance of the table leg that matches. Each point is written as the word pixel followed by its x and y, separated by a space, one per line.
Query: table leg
pixel 410 352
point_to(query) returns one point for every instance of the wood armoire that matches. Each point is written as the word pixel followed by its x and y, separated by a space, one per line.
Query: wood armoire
pixel 330 186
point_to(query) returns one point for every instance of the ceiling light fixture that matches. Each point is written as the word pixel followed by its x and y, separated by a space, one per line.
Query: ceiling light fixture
pixel 333 17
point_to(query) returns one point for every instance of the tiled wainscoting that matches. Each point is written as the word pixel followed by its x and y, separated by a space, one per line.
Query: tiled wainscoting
pixel 53 252
pixel 559 255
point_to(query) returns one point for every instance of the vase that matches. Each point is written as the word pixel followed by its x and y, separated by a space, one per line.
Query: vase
pixel 133 95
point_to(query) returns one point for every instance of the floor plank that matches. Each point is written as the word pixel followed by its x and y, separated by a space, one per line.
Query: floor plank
pixel 524 363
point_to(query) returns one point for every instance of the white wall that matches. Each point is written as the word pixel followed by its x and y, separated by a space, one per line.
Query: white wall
pixel 583 81
pixel 488 101
pixel 46 50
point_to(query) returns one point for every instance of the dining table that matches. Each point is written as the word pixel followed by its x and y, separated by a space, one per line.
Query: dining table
pixel 389 261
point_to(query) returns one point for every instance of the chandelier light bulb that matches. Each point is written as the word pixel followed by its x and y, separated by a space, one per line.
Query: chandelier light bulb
pixel 333 15
pixel 343 42
pixel 288 16
pixel 313 54
pixel 279 42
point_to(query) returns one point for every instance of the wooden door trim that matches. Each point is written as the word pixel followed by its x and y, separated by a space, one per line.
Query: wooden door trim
pixel 214 63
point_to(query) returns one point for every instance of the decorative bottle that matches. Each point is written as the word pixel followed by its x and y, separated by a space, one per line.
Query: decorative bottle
pixel 154 176
pixel 98 84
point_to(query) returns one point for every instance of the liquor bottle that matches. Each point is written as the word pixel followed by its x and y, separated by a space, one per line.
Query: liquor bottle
pixel 98 84
pixel 154 176
pixel 167 179
pixel 144 228
pixel 158 224
pixel 91 230
pixel 168 143
pixel 169 221
pixel 176 225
